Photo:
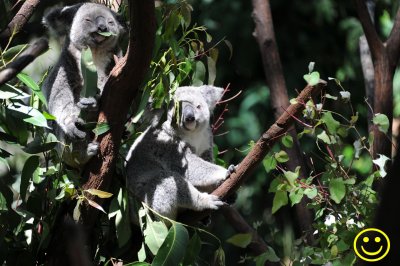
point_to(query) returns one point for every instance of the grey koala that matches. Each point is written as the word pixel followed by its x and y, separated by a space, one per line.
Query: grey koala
pixel 169 166
pixel 82 25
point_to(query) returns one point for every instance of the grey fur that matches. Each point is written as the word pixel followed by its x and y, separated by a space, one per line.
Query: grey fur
pixel 80 24
pixel 167 165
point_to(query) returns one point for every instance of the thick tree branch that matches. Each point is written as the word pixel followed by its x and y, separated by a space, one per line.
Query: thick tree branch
pixel 393 42
pixel 119 92
pixel 265 36
pixel 260 149
pixel 19 20
pixel 25 58
pixel 374 42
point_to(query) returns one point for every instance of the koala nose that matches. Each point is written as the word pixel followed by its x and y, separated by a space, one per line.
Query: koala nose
pixel 101 27
pixel 188 113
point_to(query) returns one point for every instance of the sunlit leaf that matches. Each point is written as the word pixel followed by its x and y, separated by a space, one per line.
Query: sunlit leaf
pixel 337 189
pixel 382 122
pixel 240 240
pixel 381 162
pixel 28 81
pixel 280 200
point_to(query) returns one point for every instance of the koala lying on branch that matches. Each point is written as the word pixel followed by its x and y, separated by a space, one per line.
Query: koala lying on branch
pixel 168 166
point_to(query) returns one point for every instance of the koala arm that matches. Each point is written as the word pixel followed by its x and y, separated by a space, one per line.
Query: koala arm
pixel 201 173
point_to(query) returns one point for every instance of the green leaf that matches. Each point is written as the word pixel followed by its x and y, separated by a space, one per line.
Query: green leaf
pixel 49 116
pixel 199 74
pixel 211 65
pixel 280 200
pixel 101 128
pixel 173 249
pixel 3 203
pixel 312 78
pixel 28 114
pixel 155 235
pixel 382 122
pixel 28 81
pixel 291 176
pixel 269 163
pixel 240 240
pixel 381 162
pixel 30 167
pixel 13 51
pixel 296 195
pixel 281 156
pixel 106 33
pixel 337 189
pixel 219 257
pixel 311 192
pixel 122 219
pixel 99 193
pixel 193 250
pixel 326 138
pixel 12 93
pixel 269 255
pixel 41 143
pixel 330 122
pixel 287 141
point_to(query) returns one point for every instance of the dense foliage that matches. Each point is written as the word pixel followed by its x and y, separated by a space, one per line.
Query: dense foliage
pixel 35 185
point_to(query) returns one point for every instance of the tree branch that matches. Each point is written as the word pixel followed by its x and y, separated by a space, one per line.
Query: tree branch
pixel 375 44
pixel 25 58
pixel 260 149
pixel 19 20
pixel 393 42
pixel 119 92
pixel 265 36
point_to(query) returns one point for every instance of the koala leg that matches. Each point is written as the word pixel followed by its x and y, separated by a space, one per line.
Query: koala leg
pixel 92 149
pixel 71 129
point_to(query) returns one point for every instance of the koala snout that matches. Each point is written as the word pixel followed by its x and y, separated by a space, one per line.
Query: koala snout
pixel 101 24
pixel 188 117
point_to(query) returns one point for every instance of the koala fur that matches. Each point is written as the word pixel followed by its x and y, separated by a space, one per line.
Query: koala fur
pixel 168 166
pixel 81 24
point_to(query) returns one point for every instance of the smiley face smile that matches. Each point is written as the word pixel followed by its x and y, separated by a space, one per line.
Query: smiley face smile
pixel 372 253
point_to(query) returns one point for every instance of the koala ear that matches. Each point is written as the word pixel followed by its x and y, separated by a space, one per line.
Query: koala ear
pixel 122 23
pixel 59 19
pixel 212 95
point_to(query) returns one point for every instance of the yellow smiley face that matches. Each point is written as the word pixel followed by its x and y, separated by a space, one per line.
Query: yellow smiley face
pixel 371 244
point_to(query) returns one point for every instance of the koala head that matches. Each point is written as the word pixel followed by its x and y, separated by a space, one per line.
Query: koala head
pixel 88 25
pixel 196 106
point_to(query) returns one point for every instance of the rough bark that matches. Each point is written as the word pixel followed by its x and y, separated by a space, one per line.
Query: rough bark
pixel 25 58
pixel 265 36
pixel 258 152
pixel 19 20
pixel 385 56
pixel 119 92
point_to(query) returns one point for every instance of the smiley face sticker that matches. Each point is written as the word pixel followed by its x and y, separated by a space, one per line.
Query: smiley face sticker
pixel 371 244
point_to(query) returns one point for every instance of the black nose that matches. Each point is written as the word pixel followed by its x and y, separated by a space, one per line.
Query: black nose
pixel 102 27
pixel 188 114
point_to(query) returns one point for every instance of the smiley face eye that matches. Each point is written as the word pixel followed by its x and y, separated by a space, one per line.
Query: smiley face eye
pixel 366 239
pixel 377 239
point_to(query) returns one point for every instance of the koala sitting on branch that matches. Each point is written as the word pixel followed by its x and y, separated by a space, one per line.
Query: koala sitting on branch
pixel 87 25
pixel 168 166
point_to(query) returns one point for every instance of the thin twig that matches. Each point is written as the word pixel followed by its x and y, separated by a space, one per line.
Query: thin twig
pixel 25 58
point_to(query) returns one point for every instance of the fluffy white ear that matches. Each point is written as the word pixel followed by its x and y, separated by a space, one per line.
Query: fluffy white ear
pixel 212 95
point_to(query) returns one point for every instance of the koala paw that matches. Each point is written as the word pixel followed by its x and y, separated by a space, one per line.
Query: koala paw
pixel 231 170
pixel 92 149
pixel 89 103
pixel 73 131
pixel 209 201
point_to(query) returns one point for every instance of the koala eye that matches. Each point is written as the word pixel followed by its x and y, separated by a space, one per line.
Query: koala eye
pixel 111 22
pixel 198 106
pixel 88 19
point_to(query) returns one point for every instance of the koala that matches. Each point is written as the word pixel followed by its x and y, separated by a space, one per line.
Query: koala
pixel 83 26
pixel 169 166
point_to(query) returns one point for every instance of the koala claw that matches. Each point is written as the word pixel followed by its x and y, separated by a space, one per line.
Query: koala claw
pixel 88 103
pixel 209 201
pixel 231 170
pixel 92 148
